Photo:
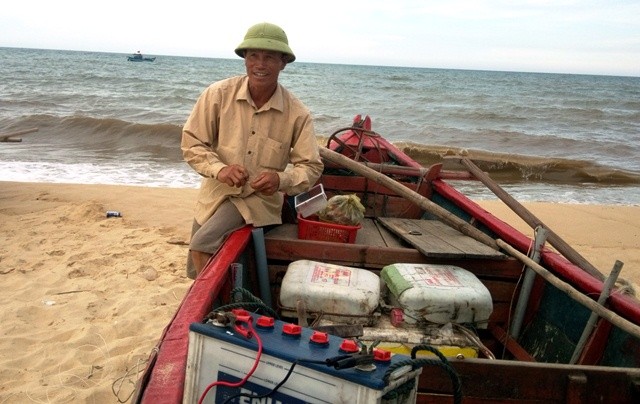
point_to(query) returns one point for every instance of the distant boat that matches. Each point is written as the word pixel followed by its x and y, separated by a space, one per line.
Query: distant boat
pixel 137 57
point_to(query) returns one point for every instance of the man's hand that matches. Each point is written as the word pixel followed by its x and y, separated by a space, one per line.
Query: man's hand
pixel 234 175
pixel 266 182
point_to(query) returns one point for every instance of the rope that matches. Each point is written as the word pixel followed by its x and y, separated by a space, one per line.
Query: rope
pixel 247 301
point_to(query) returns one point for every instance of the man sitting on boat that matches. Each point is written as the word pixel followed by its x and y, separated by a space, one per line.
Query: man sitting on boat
pixel 241 135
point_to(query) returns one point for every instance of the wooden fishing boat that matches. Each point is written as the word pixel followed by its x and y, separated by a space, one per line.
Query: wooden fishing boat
pixel 556 331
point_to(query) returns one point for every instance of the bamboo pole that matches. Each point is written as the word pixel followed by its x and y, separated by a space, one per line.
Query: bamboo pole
pixel 444 215
pixel 7 136
pixel 556 241
pixel 573 293
pixel 393 169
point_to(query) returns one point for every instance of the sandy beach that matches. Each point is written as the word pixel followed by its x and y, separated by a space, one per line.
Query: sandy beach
pixel 85 298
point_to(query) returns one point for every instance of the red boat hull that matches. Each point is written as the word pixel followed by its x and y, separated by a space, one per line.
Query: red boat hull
pixel 164 378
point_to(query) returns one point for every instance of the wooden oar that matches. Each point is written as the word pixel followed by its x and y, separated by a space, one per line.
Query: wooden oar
pixel 7 137
pixel 444 215
pixel 556 241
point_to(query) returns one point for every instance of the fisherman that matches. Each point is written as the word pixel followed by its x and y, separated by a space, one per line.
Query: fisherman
pixel 252 141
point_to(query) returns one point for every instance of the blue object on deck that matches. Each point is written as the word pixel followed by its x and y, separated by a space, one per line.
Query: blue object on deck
pixel 261 262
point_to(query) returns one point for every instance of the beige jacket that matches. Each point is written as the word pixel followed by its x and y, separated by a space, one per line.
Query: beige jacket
pixel 225 127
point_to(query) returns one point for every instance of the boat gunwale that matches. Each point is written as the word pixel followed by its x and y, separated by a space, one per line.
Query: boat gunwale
pixel 198 300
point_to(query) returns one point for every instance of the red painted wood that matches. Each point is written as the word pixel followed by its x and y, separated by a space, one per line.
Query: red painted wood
pixel 166 382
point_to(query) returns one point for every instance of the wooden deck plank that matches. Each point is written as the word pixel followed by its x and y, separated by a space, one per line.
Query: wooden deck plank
pixel 372 233
pixel 376 247
pixel 369 234
pixel 435 239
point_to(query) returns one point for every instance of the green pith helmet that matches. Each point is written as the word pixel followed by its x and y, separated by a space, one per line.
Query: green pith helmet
pixel 266 36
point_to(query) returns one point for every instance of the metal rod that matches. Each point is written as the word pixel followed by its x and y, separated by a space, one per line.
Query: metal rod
pixel 237 277
pixel 527 284
pixel 591 323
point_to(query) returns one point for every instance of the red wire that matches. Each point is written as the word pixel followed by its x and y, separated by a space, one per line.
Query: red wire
pixel 243 381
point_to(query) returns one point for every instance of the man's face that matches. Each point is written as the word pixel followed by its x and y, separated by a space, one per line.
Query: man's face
pixel 263 66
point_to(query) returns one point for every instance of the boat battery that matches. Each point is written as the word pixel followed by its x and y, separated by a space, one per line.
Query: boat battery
pixel 223 356
pixel 437 293
pixel 339 293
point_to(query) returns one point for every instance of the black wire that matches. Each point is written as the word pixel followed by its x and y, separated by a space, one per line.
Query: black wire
pixel 273 391
pixel 293 365
pixel 443 363
pixel 429 348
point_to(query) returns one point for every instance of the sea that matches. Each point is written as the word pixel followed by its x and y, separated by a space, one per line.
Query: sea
pixel 542 137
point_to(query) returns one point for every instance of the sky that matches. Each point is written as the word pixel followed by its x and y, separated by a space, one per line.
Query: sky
pixel 555 36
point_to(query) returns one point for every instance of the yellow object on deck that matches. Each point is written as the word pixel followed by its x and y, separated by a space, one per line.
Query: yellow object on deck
pixel 449 340
pixel 449 351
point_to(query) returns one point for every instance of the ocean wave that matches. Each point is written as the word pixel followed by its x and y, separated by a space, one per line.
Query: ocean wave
pixel 79 129
pixel 93 138
pixel 86 138
pixel 514 168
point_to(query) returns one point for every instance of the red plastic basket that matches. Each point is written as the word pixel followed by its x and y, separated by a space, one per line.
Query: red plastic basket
pixel 313 229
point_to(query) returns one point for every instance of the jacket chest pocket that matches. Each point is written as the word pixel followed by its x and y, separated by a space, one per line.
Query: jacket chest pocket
pixel 269 153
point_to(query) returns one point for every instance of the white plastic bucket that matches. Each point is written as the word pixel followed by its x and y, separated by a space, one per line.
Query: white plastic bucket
pixel 438 293
pixel 339 293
